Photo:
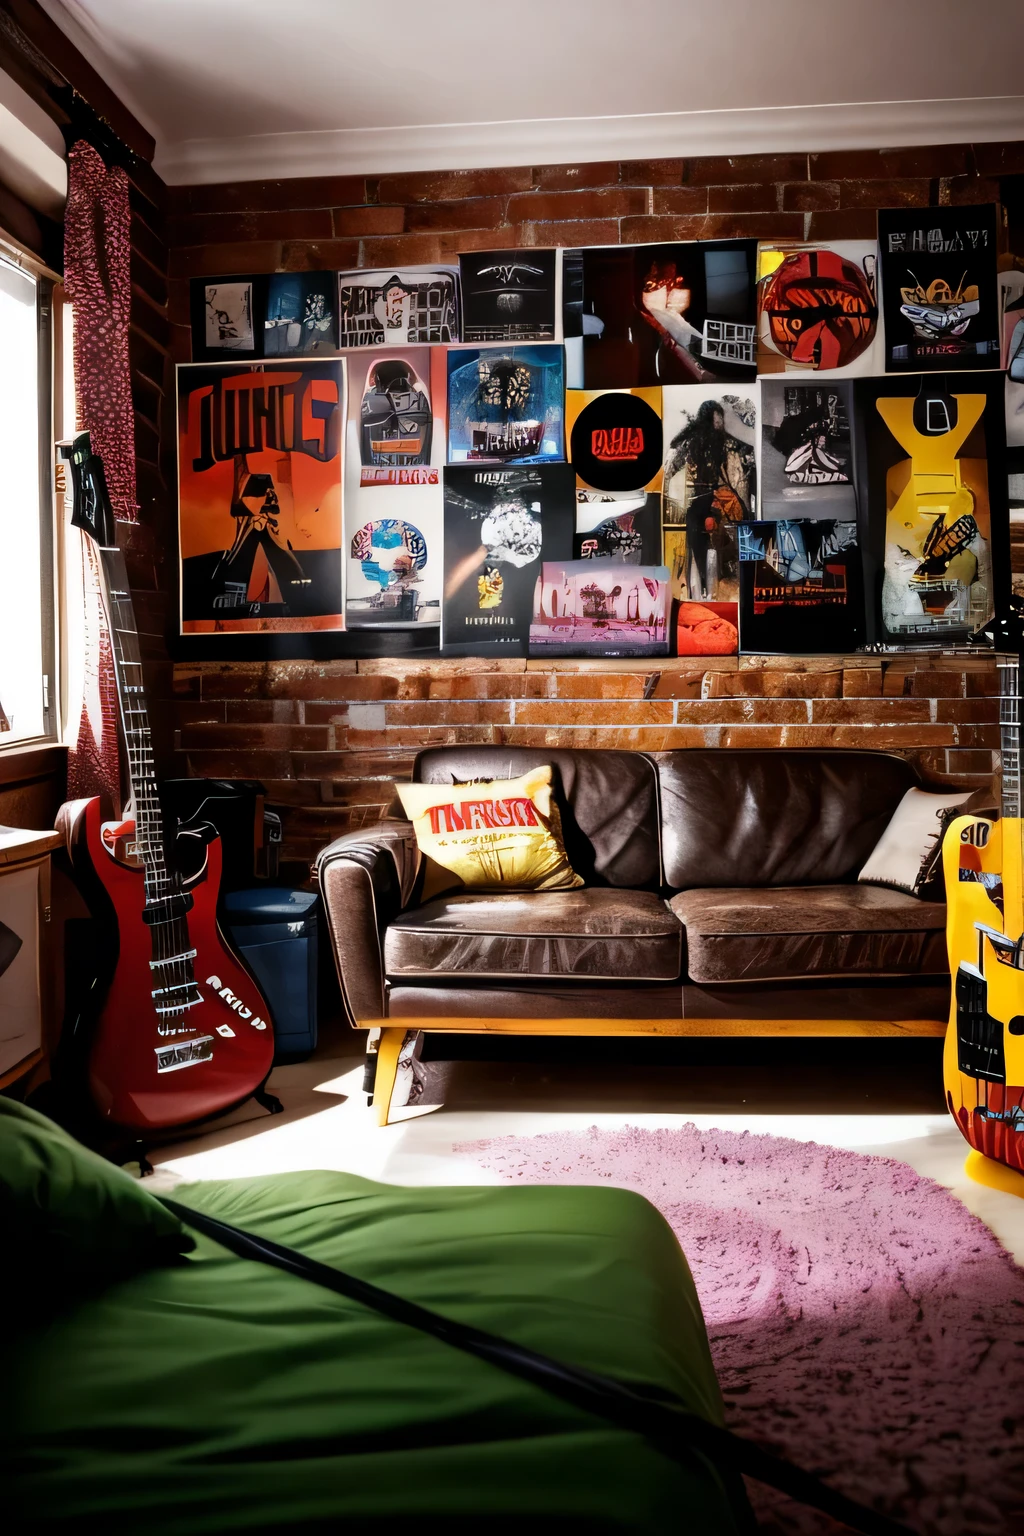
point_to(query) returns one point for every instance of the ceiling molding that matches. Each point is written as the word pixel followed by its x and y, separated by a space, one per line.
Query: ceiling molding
pixel 556 141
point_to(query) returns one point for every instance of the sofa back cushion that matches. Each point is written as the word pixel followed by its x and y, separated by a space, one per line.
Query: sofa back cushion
pixel 753 818
pixel 608 802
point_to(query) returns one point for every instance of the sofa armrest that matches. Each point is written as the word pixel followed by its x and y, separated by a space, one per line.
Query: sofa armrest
pixel 366 878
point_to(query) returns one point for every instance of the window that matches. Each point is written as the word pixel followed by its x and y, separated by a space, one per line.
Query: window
pixel 28 702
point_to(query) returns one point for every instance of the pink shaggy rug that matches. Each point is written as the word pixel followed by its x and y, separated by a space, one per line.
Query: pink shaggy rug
pixel 862 1322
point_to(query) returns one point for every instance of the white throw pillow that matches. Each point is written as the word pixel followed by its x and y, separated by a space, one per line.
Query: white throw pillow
pixel 903 855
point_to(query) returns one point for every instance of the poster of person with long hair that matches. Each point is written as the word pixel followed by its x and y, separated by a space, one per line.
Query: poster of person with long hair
pixel 260 452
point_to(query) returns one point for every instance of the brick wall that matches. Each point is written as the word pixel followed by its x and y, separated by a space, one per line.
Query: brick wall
pixel 329 738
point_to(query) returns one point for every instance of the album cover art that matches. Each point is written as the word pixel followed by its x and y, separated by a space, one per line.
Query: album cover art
pixel 1011 287
pixel 260 455
pixel 807 465
pixel 817 308
pixel 618 525
pixel 801 589
pixel 615 438
pixel 499 524
pixel 226 318
pixel 505 405
pixel 710 488
pixel 508 295
pixel 393 493
pixel 668 314
pixel 301 314
pixel 402 307
pixel 588 608
pixel 930 498
pixel 939 288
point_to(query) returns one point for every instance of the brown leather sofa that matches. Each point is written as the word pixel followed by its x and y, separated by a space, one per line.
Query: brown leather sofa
pixel 720 898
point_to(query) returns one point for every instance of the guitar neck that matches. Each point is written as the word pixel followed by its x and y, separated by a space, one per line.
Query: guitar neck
pixel 124 640
pixel 1010 753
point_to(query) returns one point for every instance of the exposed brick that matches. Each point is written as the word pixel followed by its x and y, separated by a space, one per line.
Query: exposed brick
pixel 872 737
pixel 590 713
pixel 563 178
pixel 240 763
pixel 885 194
pixel 718 170
pixel 862 682
pixel 398 250
pixel 958 190
pixel 676 202
pixel 678 685
pixel 742 197
pixel 474 213
pixel 378 220
pixel 437 666
pixel 621 685
pixel 188 712
pixel 976 736
pixel 650 173
pixel 772 684
pixel 242 196
pixel 843 224
pixel 285 738
pixel 881 164
pixel 434 713
pixel 449 186
pixel 214 228
pixel 289 792
pixel 759 711
pixel 630 739
pixel 588 203
pixel 810 196
pixel 527 685
pixel 968 711
pixel 224 260
pixel 973 761
pixel 932 684
pixel 278 680
pixel 714 226
pixel 583 232
pixel 302 256
pixel 262 712
pixel 869 711
pixel 996 160
pixel 450 244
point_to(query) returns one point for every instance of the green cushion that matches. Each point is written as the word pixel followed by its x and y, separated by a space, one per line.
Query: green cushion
pixel 220 1395
pixel 69 1217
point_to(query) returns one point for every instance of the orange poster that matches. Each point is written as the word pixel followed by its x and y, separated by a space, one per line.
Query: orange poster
pixel 260 449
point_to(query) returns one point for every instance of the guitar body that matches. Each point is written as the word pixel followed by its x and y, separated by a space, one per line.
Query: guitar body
pixel 147 1072
pixel 983 1061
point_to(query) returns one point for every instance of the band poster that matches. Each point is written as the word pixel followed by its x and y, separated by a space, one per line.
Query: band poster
pixel 260 457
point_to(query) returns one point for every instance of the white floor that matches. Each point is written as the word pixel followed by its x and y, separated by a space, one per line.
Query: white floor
pixel 327 1125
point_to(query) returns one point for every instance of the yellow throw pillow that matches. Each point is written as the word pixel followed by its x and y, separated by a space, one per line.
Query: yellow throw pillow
pixel 499 832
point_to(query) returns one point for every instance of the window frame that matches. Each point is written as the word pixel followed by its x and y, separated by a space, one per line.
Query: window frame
pixel 48 378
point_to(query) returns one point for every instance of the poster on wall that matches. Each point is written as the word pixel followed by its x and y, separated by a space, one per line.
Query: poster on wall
pixel 930 503
pixel 807 450
pixel 817 308
pixel 394 497
pixel 710 488
pixel 398 307
pixel 508 295
pixel 589 608
pixel 615 438
pixel 499 524
pixel 506 405
pixel 260 455
pixel 939 288
pixel 618 525
pixel 1011 305
pixel 683 313
pixel 226 316
pixel 801 588
pixel 301 315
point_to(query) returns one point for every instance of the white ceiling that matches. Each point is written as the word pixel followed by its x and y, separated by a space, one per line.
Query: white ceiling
pixel 242 89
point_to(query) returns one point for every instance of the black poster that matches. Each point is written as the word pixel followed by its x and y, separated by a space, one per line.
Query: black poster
pixel 227 318
pixel 807 467
pixel 669 314
pixel 499 526
pixel 939 289
pixel 508 295
pixel 801 589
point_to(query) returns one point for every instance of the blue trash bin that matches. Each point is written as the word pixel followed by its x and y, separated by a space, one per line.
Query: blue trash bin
pixel 275 933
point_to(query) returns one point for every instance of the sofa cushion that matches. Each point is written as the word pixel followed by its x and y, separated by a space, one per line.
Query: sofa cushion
pixel 608 801
pixel 810 930
pixel 778 817
pixel 594 933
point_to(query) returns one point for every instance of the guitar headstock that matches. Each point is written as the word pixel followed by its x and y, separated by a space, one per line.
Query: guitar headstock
pixel 91 510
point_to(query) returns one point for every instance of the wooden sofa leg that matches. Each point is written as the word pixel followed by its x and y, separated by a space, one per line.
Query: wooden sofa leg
pixel 388 1051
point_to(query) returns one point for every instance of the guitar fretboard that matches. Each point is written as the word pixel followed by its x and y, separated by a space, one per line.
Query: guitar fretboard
pixel 1009 735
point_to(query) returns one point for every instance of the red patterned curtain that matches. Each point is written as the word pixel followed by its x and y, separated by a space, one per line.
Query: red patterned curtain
pixel 97 277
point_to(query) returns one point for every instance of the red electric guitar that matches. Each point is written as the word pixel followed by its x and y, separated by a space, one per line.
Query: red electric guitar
pixel 180 1031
